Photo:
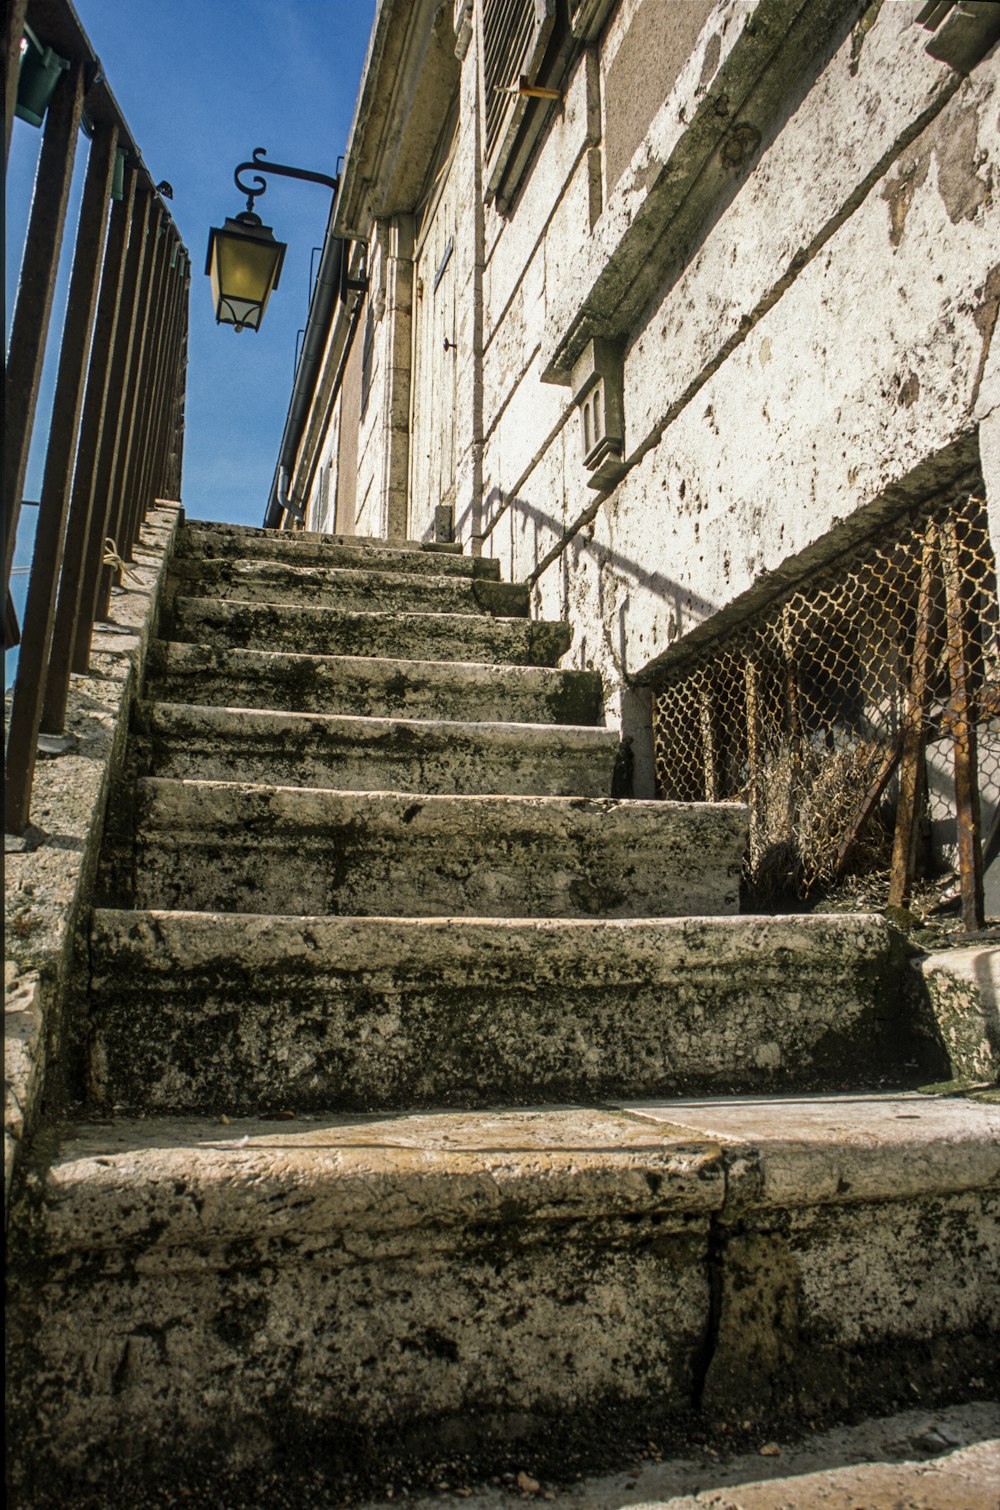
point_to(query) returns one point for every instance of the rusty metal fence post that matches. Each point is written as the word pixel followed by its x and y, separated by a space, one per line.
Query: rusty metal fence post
pixel 112 440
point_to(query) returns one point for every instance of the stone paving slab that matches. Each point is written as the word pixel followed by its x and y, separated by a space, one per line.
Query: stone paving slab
pixel 848 1147
pixel 378 686
pixel 164 1182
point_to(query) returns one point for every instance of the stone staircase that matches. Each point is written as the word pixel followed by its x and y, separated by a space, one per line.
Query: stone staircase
pixel 396 1017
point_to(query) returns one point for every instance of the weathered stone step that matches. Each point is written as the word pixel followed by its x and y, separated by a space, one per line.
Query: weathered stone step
pixel 359 588
pixel 403 636
pixel 277 1296
pixel 239 1013
pixel 373 754
pixel 202 541
pixel 381 687
pixel 214 847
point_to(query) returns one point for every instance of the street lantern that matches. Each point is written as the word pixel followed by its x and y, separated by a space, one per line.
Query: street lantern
pixel 244 262
pixel 244 259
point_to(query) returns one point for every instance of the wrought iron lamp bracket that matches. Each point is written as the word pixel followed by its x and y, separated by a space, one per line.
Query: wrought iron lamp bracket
pixel 258 185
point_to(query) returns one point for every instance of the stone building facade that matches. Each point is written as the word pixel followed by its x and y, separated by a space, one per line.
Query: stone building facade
pixel 668 301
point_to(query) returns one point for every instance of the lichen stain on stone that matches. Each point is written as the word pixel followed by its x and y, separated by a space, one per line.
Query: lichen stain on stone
pixel 898 192
pixel 859 34
pixel 952 142
pixel 985 317
pixel 962 188
pixel 713 52
pixel 909 391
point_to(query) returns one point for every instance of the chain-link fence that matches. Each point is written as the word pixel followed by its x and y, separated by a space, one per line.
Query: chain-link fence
pixel 857 716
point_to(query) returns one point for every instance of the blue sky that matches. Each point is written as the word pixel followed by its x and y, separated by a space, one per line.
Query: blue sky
pixel 202 83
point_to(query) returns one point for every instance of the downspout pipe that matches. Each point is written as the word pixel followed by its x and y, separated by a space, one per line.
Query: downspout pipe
pixel 321 307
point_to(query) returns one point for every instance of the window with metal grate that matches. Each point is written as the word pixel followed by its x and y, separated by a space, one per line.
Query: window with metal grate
pixel 515 34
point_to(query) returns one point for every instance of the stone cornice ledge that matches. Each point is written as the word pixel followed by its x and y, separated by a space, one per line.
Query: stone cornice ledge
pixel 746 60
pixel 409 77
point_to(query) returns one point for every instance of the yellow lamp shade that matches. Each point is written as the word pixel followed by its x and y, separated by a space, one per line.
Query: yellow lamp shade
pixel 244 261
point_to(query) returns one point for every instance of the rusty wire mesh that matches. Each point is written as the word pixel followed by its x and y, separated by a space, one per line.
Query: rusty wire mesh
pixel 803 712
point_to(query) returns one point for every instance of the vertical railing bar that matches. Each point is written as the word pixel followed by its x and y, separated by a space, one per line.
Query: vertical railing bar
pixel 148 480
pixel 168 388
pixel 13 32
pixel 173 458
pixel 913 745
pixel 136 504
pixel 175 451
pixel 36 636
pixel 961 626
pixel 36 287
pixel 130 403
pixel 121 532
pixel 83 507
pixel 136 263
pixel 145 488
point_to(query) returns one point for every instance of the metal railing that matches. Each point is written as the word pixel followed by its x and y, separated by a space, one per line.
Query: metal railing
pixel 857 716
pixel 116 432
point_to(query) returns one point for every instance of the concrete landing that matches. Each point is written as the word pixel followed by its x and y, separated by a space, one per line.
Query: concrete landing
pixel 483 1277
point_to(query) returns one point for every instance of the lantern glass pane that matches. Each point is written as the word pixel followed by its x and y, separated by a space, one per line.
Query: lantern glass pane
pixel 245 268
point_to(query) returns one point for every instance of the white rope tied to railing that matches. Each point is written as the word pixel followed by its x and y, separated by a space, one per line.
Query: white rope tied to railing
pixel 113 558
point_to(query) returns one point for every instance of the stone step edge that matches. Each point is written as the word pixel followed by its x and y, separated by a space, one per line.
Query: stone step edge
pixel 155 788
pixel 406 617
pixel 190 569
pixel 311 537
pixel 162 716
pixel 219 660
pixel 162 651
pixel 195 1181
pixel 221 550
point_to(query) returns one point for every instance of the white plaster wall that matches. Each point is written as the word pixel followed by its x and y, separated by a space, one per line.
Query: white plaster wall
pixel 826 339
pixel 321 507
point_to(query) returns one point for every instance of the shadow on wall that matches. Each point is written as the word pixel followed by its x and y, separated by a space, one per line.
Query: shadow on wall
pixel 683 607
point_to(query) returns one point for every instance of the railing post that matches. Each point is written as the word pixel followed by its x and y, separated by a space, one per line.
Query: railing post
pixel 83 508
pixel 36 638
pixel 39 266
pixel 130 307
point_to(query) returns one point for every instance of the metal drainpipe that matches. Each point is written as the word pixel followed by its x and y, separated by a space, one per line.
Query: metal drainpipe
pixel 321 307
